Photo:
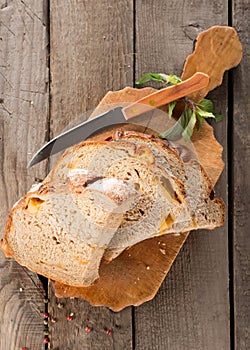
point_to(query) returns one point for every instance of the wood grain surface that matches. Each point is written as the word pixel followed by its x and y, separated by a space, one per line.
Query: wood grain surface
pixel 191 309
pixel 91 53
pixel 96 46
pixel 23 126
pixel 239 182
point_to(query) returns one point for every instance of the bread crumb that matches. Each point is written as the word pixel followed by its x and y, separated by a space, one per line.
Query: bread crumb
pixel 163 251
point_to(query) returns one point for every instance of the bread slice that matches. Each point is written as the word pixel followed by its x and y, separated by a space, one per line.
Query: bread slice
pixel 200 211
pixel 60 230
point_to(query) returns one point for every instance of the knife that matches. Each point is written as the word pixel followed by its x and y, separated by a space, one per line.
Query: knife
pixel 120 115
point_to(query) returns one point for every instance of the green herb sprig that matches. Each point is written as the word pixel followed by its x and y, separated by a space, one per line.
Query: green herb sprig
pixel 160 78
pixel 193 113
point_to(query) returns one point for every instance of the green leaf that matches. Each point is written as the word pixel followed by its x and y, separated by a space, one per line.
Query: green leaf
pixel 219 117
pixel 206 105
pixel 204 114
pixel 173 79
pixel 176 130
pixel 200 121
pixel 164 77
pixel 171 106
pixel 173 133
pixel 159 77
pixel 188 131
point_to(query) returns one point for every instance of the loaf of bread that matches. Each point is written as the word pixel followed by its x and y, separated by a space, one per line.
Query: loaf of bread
pixel 102 197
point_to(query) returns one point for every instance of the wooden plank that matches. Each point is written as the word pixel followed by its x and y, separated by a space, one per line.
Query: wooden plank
pixel 91 53
pixel 23 123
pixel 73 335
pixel 191 310
pixel 241 175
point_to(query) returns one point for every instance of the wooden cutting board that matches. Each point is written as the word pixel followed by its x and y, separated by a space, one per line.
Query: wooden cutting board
pixel 136 275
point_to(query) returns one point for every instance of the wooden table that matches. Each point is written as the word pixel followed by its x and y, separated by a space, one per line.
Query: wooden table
pixel 57 60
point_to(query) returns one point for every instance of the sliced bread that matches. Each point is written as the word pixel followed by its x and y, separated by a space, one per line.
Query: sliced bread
pixel 61 230
pixel 175 189
pixel 104 196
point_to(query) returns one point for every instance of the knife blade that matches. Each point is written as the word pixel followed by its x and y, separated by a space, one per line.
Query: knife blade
pixel 120 115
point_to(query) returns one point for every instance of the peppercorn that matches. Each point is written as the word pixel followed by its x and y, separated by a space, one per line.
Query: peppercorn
pixel 88 329
pixel 69 318
pixel 46 340
pixel 53 319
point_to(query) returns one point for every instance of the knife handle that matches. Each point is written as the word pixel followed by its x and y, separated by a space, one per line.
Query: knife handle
pixel 161 97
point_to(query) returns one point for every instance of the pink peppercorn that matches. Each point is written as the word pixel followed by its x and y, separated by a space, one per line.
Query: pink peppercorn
pixel 108 332
pixel 46 340
pixel 69 318
pixel 53 320
pixel 87 329
pixel 45 315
